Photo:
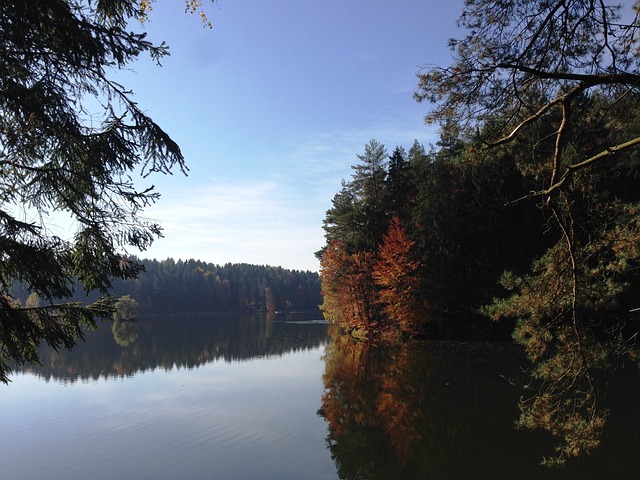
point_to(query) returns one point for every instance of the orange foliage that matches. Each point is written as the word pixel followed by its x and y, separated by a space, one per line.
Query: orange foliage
pixel 347 287
pixel 395 274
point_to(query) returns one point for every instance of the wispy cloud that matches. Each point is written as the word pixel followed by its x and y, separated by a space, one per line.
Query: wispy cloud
pixel 246 221
pixel 271 214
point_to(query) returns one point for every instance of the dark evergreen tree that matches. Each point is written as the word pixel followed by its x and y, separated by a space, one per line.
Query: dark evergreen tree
pixel 400 185
pixel 369 186
pixel 70 139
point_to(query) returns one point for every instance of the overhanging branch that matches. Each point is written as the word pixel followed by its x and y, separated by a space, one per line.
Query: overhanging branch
pixel 560 100
pixel 570 169
pixel 589 80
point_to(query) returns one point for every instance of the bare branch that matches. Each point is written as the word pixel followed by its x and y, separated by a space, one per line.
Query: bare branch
pixel 590 80
pixel 577 166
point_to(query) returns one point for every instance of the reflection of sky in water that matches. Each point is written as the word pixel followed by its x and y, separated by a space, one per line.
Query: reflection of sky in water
pixel 254 419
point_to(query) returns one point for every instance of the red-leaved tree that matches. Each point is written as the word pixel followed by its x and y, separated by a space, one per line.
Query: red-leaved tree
pixel 395 275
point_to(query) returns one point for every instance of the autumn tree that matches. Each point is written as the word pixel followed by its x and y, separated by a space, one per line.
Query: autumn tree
pixel 374 405
pixel 395 272
pixel 354 228
pixel 71 140
pixel 348 289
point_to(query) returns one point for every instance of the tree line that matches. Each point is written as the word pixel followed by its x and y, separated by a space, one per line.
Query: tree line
pixel 191 286
pixel 425 234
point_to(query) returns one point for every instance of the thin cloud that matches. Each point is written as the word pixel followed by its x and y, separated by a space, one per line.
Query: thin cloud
pixel 246 221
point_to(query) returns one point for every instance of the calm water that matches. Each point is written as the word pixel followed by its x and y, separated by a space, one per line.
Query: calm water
pixel 253 398
pixel 188 398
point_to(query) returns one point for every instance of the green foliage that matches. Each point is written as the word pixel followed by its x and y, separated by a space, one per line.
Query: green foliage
pixel 70 140
pixel 524 58
pixel 573 313
pixel 358 217
pixel 459 233
pixel 354 280
pixel 126 309
pixel 554 86
pixel 534 182
pixel 399 184
pixel 194 286
pixel 125 330
pixel 59 325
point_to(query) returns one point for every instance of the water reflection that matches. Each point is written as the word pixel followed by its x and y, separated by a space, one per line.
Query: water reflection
pixel 248 411
pixel 447 410
pixel 418 410
pixel 176 341
pixel 124 332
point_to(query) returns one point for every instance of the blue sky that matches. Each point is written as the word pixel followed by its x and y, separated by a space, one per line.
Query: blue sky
pixel 271 107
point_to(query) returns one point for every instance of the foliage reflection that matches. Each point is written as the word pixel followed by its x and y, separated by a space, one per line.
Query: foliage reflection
pixel 444 410
pixel 176 341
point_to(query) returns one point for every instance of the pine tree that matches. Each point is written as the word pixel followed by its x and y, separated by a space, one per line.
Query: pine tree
pixel 70 140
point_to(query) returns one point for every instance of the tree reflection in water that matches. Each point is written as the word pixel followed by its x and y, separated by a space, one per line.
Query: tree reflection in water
pixel 179 341
pixel 444 410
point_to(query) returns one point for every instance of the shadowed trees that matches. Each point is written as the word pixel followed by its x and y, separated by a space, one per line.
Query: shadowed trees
pixel 448 234
pixel 534 181
pixel 556 84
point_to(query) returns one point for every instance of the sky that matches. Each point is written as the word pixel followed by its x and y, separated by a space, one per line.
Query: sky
pixel 271 108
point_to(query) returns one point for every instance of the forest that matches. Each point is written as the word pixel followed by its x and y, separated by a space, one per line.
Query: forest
pixel 447 242
pixel 192 286
pixel 423 235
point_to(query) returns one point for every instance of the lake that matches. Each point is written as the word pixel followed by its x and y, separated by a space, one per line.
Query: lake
pixel 250 397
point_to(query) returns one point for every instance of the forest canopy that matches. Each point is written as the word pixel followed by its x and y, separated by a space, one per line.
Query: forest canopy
pixel 193 286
